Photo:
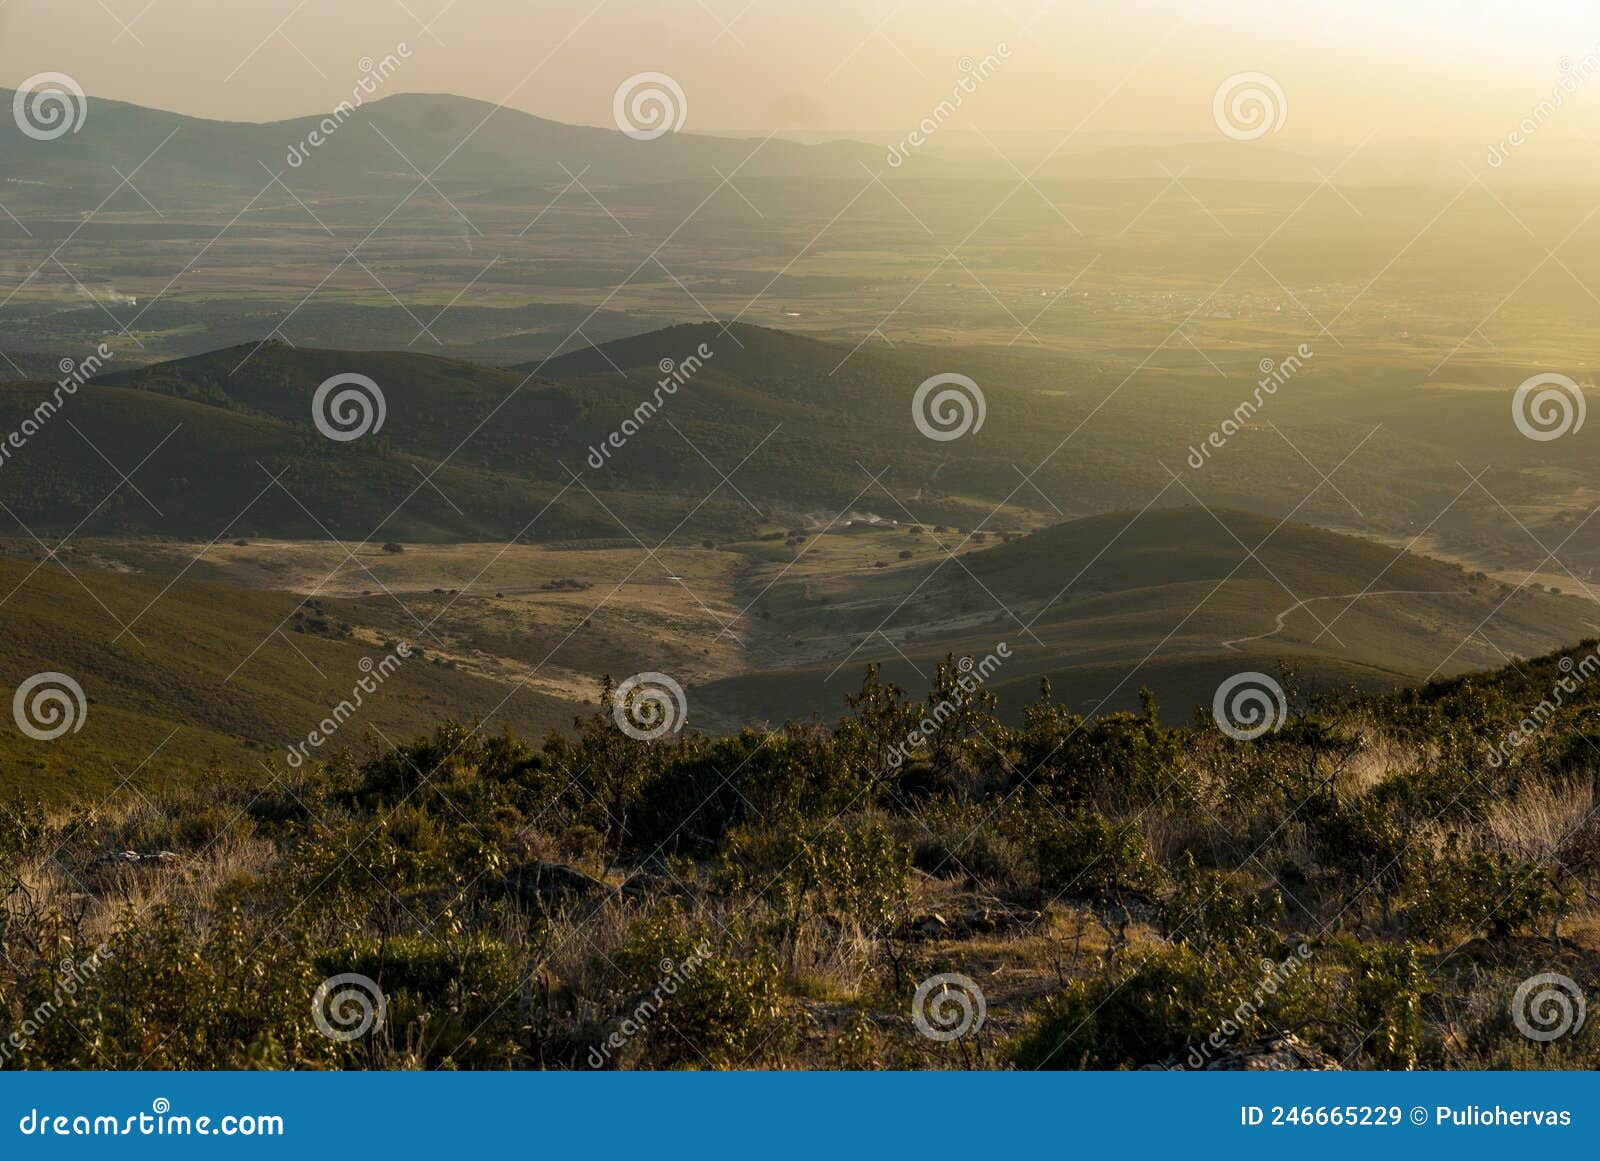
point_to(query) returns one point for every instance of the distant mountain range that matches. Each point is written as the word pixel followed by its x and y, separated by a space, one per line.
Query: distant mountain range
pixel 495 153
pixel 473 144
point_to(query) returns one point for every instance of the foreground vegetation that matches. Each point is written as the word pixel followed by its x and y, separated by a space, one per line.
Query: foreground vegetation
pixel 1373 879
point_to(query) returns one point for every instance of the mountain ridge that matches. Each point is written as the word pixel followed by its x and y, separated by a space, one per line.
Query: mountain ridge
pixel 459 141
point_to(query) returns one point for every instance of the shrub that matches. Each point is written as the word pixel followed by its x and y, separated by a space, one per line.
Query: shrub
pixel 694 998
pixel 1463 890
pixel 451 1002
pixel 167 996
pixel 1087 856
pixel 1386 999
pixel 972 837
pixel 1113 761
pixel 857 873
pixel 1178 1006
pixel 1219 907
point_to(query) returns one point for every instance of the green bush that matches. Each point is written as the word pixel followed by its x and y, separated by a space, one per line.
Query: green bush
pixel 1229 908
pixel 692 997
pixel 1085 855
pixel 452 1002
pixel 170 996
pixel 1386 1004
pixel 1464 890
pixel 743 900
pixel 842 871
pixel 1179 1006
pixel 954 837
pixel 1114 762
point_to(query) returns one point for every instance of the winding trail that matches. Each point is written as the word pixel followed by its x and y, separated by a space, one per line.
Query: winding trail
pixel 1351 597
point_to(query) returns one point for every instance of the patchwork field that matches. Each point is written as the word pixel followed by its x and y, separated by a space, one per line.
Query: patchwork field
pixel 264 637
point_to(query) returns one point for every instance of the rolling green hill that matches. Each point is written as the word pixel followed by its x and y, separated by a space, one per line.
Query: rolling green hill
pixel 1172 599
pixel 207 672
pixel 809 431
pixel 215 665
pixel 508 441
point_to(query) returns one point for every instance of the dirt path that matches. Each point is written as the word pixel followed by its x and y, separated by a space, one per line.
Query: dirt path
pixel 1351 597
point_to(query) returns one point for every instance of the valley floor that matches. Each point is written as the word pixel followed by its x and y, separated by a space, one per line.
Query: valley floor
pixel 757 631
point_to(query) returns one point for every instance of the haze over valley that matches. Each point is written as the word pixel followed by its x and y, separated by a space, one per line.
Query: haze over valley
pixel 1088 508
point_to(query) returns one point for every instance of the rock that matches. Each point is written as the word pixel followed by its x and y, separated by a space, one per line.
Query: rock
pixel 540 884
pixel 988 918
pixel 1279 1052
pixel 643 886
pixel 553 882
pixel 982 918
pixel 134 858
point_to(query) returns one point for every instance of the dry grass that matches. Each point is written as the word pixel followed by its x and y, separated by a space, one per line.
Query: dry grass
pixel 1380 757
pixel 1536 823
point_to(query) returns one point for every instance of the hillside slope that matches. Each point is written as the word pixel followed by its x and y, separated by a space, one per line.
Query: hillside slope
pixel 504 442
pixel 208 671
pixel 1176 599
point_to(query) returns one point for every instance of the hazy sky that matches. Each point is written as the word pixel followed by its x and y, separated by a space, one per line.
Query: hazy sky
pixel 1410 68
